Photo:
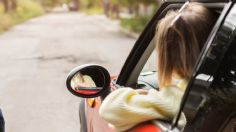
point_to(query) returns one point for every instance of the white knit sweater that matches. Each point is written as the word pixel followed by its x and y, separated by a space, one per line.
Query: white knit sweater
pixel 124 108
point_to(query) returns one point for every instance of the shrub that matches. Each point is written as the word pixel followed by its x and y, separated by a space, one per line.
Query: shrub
pixel 1 9
pixel 134 24
pixel 93 10
pixel 6 22
pixel 25 10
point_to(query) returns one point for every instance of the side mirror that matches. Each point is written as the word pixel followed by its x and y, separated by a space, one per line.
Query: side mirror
pixel 88 81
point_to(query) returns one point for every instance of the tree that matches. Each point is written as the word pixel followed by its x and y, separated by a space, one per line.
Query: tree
pixel 13 4
pixel 5 5
pixel 147 3
pixel 9 5
pixel 132 5
pixel 115 7
pixel 51 3
pixel 106 7
pixel 91 3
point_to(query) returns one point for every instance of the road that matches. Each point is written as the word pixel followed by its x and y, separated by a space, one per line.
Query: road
pixel 35 58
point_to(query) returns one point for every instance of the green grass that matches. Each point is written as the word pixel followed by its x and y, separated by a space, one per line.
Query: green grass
pixel 93 10
pixel 134 24
pixel 5 23
pixel 26 9
pixel 1 9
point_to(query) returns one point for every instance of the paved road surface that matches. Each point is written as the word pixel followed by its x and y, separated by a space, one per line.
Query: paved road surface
pixel 35 58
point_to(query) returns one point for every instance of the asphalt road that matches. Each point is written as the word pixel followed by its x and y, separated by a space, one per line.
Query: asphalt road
pixel 35 58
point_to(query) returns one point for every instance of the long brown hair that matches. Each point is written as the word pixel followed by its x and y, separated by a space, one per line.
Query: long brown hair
pixel 180 37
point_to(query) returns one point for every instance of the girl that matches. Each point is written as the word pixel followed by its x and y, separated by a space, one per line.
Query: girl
pixel 180 36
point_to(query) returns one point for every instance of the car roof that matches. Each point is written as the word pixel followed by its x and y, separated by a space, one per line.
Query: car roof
pixel 198 0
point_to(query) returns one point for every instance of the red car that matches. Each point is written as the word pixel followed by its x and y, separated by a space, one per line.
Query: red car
pixel 209 102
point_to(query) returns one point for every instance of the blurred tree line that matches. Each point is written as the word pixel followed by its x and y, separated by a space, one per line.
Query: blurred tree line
pixel 115 7
pixel 133 14
pixel 9 5
pixel 133 6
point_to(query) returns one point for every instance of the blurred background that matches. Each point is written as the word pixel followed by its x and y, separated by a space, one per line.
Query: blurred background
pixel 133 14
pixel 42 40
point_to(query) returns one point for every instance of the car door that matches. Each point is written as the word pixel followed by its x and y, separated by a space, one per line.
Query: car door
pixel 209 103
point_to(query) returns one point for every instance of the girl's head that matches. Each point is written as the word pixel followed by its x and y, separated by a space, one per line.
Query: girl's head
pixel 180 37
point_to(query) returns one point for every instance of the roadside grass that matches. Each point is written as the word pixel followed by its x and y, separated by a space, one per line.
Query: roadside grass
pixel 134 24
pixel 5 23
pixel 26 9
pixel 1 8
pixel 93 10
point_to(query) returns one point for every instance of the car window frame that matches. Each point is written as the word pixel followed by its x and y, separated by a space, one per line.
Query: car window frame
pixel 203 56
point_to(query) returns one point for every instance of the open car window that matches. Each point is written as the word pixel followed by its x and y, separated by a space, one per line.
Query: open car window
pixel 150 65
pixel 148 75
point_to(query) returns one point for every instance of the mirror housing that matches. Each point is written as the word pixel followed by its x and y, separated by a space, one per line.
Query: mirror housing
pixel 88 81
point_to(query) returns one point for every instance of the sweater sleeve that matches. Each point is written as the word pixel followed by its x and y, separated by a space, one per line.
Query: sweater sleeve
pixel 125 108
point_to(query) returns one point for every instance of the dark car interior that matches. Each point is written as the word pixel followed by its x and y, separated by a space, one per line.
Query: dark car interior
pixel 214 97
pixel 211 99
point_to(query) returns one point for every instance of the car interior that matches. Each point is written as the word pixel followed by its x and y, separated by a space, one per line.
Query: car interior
pixel 219 86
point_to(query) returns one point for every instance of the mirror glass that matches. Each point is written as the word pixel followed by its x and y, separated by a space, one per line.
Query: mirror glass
pixel 83 83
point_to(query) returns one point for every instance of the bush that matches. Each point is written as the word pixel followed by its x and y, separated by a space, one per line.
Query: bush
pixel 93 10
pixel 25 10
pixel 6 22
pixel 1 9
pixel 91 7
pixel 134 24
